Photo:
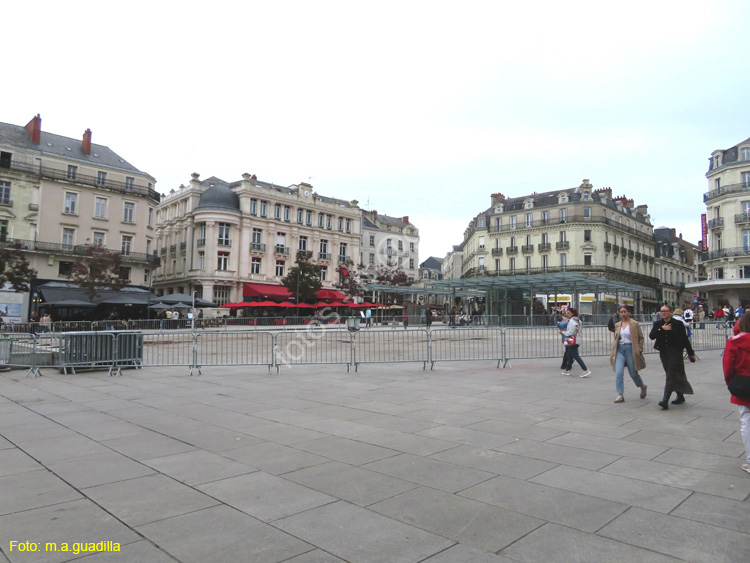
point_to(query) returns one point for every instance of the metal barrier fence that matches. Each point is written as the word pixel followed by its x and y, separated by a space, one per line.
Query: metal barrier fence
pixel 315 345
pixel 394 346
pixel 450 344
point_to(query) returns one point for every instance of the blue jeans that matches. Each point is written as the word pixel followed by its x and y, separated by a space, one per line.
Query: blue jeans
pixel 572 356
pixel 624 358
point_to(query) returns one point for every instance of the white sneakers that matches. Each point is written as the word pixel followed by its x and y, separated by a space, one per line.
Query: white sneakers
pixel 746 467
pixel 585 373
pixel 620 398
pixel 565 372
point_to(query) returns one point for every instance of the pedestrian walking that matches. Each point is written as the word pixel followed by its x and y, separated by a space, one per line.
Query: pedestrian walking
pixel 428 317
pixel 573 341
pixel 671 339
pixel 368 318
pixel 627 350
pixel 736 365
pixel 406 319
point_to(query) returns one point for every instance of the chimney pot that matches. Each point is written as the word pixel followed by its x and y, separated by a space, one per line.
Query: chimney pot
pixel 405 218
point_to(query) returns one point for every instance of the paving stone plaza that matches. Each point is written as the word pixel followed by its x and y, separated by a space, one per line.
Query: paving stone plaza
pixel 394 463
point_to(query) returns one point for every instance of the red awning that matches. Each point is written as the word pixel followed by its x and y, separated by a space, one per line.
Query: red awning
pixel 265 290
pixel 331 294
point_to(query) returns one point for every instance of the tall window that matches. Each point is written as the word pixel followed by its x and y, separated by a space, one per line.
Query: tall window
pixel 389 243
pixel 287 212
pixel 303 243
pixel 253 207
pixel 263 209
pixel 587 259
pixel 512 264
pixel 745 179
pixel 563 215
pixel 300 215
pixel 279 268
pixel 563 260
pixel 127 244
pixel 372 240
pixel 545 217
pixel 5 193
pixel 745 153
pixel 150 216
pixel 321 220
pixel 587 213
pixel 411 263
pixel 223 261
pixel 221 294
pixel 101 178
pixel 342 251
pixel 324 246
pixel 529 219
pixel 224 229
pixel 100 208
pixel 323 273
pixel 71 203
pixel 348 225
pixel 513 222
pixel 98 238
pixel 129 183
pixel 746 239
pixel 72 172
pixel 545 261
pixel 128 212
pixel 372 259
pixel 277 211
pixel 411 247
pixel 545 238
pixel 201 260
pixel 308 218
pixel 329 222
pixel 528 263
pixel 587 235
pixel 68 238
pixel 341 223
pixel 401 243
pixel 563 236
pixel 255 265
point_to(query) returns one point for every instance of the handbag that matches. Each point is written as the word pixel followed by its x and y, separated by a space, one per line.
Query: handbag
pixel 570 340
pixel 739 386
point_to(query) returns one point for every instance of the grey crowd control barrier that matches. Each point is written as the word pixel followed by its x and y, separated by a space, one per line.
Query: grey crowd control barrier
pixel 315 344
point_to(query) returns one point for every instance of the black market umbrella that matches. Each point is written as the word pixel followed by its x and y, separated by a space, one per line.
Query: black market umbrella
pixel 173 298
pixel 180 306
pixel 69 303
pixel 159 306
pixel 122 300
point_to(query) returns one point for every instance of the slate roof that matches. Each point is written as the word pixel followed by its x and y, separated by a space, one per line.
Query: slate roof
pixel 58 145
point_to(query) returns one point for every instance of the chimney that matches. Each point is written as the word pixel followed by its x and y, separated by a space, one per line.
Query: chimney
pixel 496 198
pixel 674 234
pixel 87 141
pixel 405 219
pixel 34 127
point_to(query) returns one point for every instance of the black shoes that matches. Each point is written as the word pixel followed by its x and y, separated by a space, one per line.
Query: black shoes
pixel 664 405
pixel 679 400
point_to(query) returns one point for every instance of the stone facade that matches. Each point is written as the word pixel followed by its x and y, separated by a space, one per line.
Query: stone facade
pixel 389 241
pixel 214 236
pixel 727 255
pixel 59 194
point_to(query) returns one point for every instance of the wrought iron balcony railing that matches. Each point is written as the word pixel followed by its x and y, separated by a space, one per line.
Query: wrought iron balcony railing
pixel 77 250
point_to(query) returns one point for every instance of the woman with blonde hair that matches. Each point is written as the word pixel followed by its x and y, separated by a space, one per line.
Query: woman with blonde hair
pixel 627 350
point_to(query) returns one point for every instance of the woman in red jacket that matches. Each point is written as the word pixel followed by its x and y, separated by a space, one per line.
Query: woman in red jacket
pixel 737 361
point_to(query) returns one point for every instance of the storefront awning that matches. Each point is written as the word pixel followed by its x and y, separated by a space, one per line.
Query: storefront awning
pixel 266 291
pixel 331 294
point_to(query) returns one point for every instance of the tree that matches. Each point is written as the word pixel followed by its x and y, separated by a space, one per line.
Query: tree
pixel 14 268
pixel 351 279
pixel 303 280
pixel 98 268
pixel 391 275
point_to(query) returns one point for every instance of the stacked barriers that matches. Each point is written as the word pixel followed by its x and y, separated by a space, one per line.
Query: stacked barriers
pixel 318 345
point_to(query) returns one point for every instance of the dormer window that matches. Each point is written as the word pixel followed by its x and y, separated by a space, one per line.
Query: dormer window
pixel 499 209
pixel 563 198
pixel 586 196
pixel 528 204
pixel 745 153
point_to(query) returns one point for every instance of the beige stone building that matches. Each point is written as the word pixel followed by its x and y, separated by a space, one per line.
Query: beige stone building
pixel 727 254
pixel 58 194
pixel 572 230
pixel 389 241
pixel 227 242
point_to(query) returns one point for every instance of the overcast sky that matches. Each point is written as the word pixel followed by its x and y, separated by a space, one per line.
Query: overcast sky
pixel 412 108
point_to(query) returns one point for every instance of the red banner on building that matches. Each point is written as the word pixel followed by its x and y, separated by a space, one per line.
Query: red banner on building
pixel 704 233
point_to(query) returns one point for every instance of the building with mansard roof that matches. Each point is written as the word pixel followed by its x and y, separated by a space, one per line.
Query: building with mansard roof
pixel 389 241
pixel 89 195
pixel 234 241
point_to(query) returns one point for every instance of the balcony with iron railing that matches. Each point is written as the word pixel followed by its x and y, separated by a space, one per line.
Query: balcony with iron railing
pixel 84 179
pixel 615 249
pixel 638 256
pixel 497 251
pixel 716 223
pixel 742 218
pixel 607 246
pixel 343 258
pixel 201 242
pixel 163 250
pixel 527 248
pixel 76 250
pixel 225 242
pixel 562 245
pixel 172 248
pixel 571 219
pixel 183 246
pixel 725 190
pixel 324 256
pixel 257 247
pixel 631 254
pixel 511 250
pixel 545 246
pixel 725 253
pixel 281 249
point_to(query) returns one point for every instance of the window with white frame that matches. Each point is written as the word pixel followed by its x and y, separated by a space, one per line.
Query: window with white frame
pixel 97 238
pixel 528 263
pixel 257 236
pixel 255 265
pixel 341 224
pixel 280 268
pixel 287 213
pixel 513 220
pixel 329 222
pixel 563 260
pixel 221 294
pixel 411 263
pixel 127 244
pixel 223 261
pixel 545 261
pixel 480 223
pixel 342 251
pixel 512 264
pixel 201 260
pixel 300 215
pixel 303 243
pixel 372 258
pixel 253 207
pixel 529 219
pixel 277 211
pixel 745 178
pixel 745 153
pixel 224 234
pixel 264 209
pixel 323 273
pixel 348 226
pixel 587 213
pixel 128 212
pixel 71 203
pixel 563 215
pixel 545 217
pixel 5 193
pixel 401 244
pixel 411 247
pixel 101 178
pixel 72 172
pixel 150 216
pixel 129 183
pixel 68 237
pixel 372 240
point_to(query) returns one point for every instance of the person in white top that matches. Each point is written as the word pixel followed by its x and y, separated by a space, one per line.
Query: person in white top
pixel 627 350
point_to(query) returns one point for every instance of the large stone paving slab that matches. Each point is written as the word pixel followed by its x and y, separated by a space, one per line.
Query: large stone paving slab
pixel 34 489
pixel 222 533
pixel 369 536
